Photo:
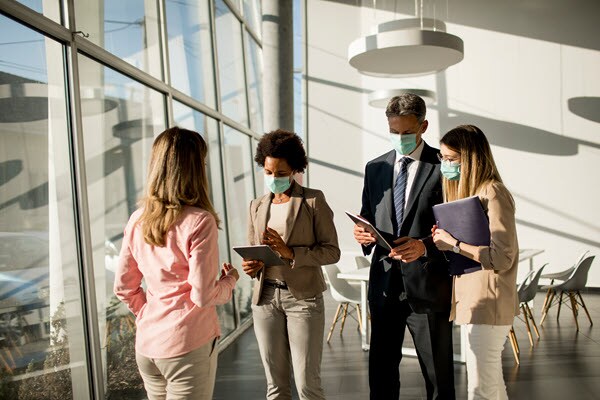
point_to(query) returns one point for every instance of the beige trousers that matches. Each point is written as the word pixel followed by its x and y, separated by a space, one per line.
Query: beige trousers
pixel 290 335
pixel 187 377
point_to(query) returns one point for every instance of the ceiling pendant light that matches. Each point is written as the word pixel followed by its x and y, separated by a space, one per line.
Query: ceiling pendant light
pixel 381 98
pixel 414 46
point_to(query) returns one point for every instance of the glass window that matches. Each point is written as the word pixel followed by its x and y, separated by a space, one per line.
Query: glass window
pixel 189 118
pixel 42 341
pixel 240 191
pixel 254 73
pixel 259 173
pixel 128 29
pixel 299 92
pixel 50 9
pixel 120 119
pixel 231 64
pixel 253 15
pixel 190 49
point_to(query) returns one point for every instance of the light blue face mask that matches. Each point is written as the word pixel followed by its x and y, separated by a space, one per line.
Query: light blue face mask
pixel 450 170
pixel 278 185
pixel 404 144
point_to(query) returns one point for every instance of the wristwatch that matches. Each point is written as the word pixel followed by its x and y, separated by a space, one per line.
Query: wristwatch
pixel 456 247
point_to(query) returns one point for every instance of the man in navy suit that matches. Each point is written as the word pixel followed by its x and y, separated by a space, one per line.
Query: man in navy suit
pixel 409 286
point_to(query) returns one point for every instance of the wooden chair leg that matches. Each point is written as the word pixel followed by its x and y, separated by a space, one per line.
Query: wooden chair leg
pixel 527 324
pixel 535 328
pixel 547 307
pixel 359 316
pixel 514 344
pixel 344 318
pixel 560 301
pixel 585 308
pixel 548 294
pixel 335 318
pixel 574 308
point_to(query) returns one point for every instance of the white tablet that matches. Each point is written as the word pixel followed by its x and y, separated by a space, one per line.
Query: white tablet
pixel 260 252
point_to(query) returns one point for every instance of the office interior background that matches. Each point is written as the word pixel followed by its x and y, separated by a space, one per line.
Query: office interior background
pixel 85 86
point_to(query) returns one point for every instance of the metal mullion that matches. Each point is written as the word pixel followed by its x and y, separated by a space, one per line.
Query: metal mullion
pixel 88 293
pixel 246 85
pixel 164 45
pixel 304 82
pixel 242 19
pixel 34 20
pixel 253 34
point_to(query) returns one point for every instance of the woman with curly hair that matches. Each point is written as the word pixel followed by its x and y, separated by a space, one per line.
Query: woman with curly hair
pixel 287 303
pixel 171 243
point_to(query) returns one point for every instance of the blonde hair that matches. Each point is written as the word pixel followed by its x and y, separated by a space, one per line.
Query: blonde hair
pixel 176 178
pixel 477 166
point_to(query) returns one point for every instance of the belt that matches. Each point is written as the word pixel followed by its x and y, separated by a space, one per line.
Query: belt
pixel 276 284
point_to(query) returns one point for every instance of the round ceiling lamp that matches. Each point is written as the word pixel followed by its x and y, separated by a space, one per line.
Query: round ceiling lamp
pixel 381 98
pixel 415 46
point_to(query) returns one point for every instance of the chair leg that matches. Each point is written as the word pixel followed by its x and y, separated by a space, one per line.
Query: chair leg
pixel 560 301
pixel 548 294
pixel 574 308
pixel 514 344
pixel 535 328
pixel 359 317
pixel 547 307
pixel 335 318
pixel 584 307
pixel 527 324
pixel 344 318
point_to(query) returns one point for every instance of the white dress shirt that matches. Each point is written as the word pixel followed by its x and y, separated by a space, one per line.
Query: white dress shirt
pixel 412 168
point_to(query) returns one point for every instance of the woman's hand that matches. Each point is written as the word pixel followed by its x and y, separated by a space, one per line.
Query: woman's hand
pixel 275 242
pixel 251 267
pixel 442 239
pixel 229 270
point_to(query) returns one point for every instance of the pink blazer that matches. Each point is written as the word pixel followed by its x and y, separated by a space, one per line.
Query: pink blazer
pixel 176 313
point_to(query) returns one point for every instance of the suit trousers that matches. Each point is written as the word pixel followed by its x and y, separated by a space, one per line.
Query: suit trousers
pixel 432 336
pixel 186 377
pixel 484 361
pixel 290 335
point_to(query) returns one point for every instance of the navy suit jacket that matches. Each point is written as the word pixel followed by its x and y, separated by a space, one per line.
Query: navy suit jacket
pixel 426 281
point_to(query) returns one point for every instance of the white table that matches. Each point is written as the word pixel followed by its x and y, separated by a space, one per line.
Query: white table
pixel 362 275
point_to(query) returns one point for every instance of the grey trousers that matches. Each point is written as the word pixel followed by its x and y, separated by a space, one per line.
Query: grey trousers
pixel 190 376
pixel 290 334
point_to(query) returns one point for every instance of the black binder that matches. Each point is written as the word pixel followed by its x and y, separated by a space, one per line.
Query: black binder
pixel 466 220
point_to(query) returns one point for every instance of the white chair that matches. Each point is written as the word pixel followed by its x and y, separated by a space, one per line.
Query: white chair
pixel 526 292
pixel 572 287
pixel 343 293
pixel 362 262
pixel 561 276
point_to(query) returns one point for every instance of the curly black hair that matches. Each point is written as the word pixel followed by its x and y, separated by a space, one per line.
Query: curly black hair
pixel 282 144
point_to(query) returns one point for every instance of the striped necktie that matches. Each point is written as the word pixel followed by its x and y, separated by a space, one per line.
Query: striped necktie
pixel 400 192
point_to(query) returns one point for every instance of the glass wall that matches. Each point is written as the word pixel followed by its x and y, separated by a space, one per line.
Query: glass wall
pixel 72 171
pixel 42 344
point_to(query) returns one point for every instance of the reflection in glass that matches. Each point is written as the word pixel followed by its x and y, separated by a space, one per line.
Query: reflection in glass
pixel 42 345
pixel 231 64
pixel 253 15
pixel 189 118
pixel 190 49
pixel 117 145
pixel 240 191
pixel 49 9
pixel 254 73
pixel 128 29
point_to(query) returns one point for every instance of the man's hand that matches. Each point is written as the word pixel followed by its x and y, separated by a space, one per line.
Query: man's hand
pixel 251 267
pixel 408 249
pixel 363 236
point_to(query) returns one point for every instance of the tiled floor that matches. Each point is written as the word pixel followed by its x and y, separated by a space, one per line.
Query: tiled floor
pixel 564 364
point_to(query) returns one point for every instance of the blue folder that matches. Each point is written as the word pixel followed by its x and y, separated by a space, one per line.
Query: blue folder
pixel 466 220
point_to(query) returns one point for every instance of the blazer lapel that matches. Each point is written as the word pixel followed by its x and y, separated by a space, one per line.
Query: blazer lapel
pixel 296 198
pixel 261 216
pixel 423 172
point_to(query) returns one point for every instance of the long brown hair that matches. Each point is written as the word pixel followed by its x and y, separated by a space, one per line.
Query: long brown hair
pixel 176 177
pixel 477 166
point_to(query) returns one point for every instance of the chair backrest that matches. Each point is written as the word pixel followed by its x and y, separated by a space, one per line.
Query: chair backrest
pixel 362 262
pixel 527 291
pixel 341 290
pixel 578 279
pixel 566 274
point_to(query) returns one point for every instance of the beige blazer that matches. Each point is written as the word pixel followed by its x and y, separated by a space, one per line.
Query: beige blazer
pixel 310 233
pixel 489 296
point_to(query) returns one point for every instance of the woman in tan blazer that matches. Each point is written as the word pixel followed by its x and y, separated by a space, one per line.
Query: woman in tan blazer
pixel 287 303
pixel 485 301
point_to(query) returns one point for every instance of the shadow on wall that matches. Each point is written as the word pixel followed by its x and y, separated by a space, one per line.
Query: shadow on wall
pixel 517 136
pixel 585 107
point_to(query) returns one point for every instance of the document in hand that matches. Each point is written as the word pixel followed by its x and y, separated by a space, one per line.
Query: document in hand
pixel 380 240
pixel 466 220
pixel 260 252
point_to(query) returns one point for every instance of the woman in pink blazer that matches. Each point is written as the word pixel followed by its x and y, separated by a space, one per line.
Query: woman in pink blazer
pixel 171 243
